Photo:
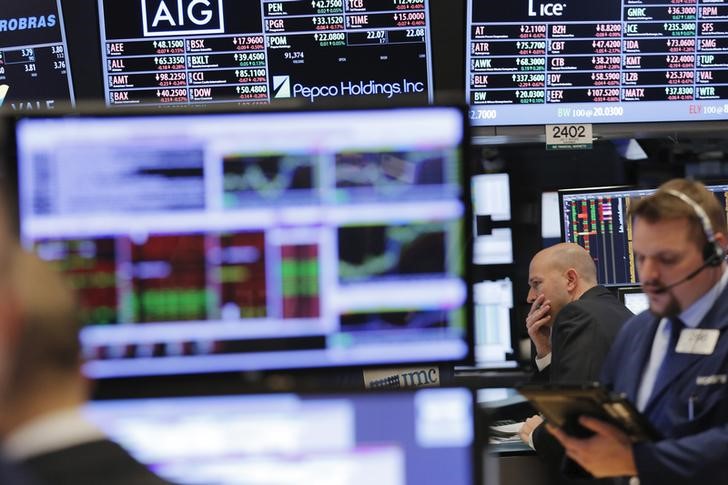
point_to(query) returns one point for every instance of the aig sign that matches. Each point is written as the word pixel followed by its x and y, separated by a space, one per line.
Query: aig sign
pixel 166 17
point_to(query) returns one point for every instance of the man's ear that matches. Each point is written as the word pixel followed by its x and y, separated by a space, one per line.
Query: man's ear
pixel 721 241
pixel 572 279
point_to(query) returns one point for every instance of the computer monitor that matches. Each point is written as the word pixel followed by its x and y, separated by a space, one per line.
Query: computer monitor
pixel 394 438
pixel 492 207
pixel 597 219
pixel 161 52
pixel 538 62
pixel 35 72
pixel 493 307
pixel 255 241
pixel 633 298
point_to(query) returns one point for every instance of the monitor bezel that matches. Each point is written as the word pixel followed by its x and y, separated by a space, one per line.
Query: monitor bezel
pixel 98 111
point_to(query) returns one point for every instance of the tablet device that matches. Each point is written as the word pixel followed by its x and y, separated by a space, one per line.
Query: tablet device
pixel 563 404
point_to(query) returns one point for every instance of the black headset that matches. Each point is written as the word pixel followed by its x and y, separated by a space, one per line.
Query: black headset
pixel 713 254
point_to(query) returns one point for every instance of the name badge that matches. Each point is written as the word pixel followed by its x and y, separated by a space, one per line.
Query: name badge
pixel 697 341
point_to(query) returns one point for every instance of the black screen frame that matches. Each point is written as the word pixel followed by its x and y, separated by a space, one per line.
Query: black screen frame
pixel 346 374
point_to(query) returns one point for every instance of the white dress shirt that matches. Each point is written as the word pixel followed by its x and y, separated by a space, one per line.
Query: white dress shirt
pixel 691 317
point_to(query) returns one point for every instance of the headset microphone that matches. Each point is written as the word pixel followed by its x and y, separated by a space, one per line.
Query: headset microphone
pixel 693 274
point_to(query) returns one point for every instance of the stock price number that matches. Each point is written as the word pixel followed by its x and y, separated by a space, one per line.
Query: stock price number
pixel 330 38
pixel 402 19
pixel 245 59
pixel 172 95
pixel 530 96
pixel 327 3
pixel 168 44
pixel 531 63
pixel 680 29
pixel 169 61
pixel 408 4
pixel 255 89
pixel 328 23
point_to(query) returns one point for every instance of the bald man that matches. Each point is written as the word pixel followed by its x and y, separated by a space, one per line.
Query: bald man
pixel 42 427
pixel 572 323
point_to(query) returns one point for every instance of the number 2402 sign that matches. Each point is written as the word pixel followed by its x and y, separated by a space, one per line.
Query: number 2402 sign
pixel 568 137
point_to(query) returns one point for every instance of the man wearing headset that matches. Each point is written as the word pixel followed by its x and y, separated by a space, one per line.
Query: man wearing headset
pixel 671 361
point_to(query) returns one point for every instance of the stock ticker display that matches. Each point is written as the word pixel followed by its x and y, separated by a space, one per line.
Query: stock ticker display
pixel 597 219
pixel 239 242
pixel 158 52
pixel 566 61
pixel 34 70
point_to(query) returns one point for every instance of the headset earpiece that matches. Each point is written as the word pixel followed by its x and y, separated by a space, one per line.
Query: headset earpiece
pixel 711 254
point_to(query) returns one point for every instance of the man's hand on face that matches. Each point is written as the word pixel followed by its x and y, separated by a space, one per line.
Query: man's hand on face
pixel 538 324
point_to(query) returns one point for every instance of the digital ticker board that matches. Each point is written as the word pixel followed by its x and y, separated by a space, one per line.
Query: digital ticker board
pixel 161 52
pixel 34 69
pixel 572 61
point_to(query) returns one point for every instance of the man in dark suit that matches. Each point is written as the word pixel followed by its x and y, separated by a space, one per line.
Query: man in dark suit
pixel 572 324
pixel 41 425
pixel 671 361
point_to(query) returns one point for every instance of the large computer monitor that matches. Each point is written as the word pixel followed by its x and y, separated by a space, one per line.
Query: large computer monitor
pixel 395 438
pixel 538 62
pixel 35 72
pixel 253 241
pixel 161 52
pixel 597 219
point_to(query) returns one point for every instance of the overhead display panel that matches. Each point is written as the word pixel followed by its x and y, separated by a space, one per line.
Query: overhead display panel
pixel 34 69
pixel 158 52
pixel 572 61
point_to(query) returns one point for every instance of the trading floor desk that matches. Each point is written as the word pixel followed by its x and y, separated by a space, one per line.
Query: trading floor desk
pixel 510 462
pixel 514 463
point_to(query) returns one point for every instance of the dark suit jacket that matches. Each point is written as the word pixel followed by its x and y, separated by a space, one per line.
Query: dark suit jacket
pixel 100 462
pixel 11 474
pixel 693 451
pixel 581 337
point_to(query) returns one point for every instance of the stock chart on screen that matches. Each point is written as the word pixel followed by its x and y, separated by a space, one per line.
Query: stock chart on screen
pixel 598 220
pixel 222 242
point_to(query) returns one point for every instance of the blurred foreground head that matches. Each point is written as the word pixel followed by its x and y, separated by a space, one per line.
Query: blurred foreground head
pixel 38 312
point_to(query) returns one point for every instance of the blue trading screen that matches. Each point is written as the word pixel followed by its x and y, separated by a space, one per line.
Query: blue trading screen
pixel 597 219
pixel 571 61
pixel 254 241
pixel 34 68
pixel 399 438
pixel 161 52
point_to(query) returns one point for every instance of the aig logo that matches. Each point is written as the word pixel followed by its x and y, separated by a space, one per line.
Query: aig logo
pixel 165 17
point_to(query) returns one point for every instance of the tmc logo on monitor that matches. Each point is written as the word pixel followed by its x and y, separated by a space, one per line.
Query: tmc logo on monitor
pixel 173 17
pixel 281 86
